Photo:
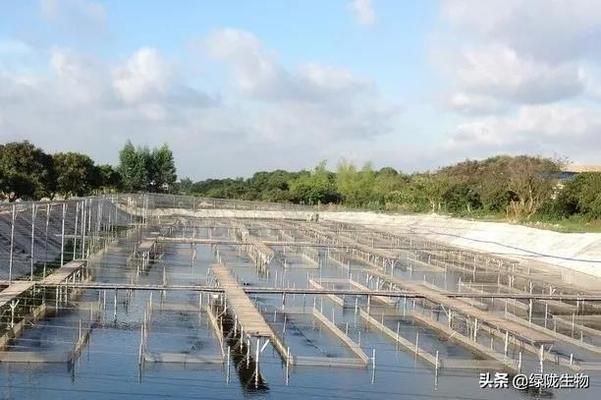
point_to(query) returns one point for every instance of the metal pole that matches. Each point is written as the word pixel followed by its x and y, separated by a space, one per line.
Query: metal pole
pixel 33 209
pixel 75 229
pixel 227 376
pixel 63 236
pixel 46 240
pixel 115 306
pixel 541 357
pixel 12 242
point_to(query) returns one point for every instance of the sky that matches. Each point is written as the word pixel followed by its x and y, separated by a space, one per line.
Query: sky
pixel 235 87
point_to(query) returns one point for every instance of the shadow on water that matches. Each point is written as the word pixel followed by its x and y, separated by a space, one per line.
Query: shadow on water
pixel 243 364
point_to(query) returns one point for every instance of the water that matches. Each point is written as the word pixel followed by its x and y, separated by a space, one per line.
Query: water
pixel 108 367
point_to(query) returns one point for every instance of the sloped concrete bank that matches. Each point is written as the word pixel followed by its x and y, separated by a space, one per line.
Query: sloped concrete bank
pixel 578 254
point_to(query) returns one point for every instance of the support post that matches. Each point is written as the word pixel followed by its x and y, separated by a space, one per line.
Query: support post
pixel 63 235
pixel 12 245
pixel 32 258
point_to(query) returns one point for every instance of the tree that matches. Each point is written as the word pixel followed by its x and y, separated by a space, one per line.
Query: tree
pixel 161 169
pixel 433 187
pixel 133 168
pixel 460 198
pixel 589 195
pixel 356 187
pixel 387 180
pixel 74 174
pixel 107 178
pixel 25 172
pixel 185 186
pixel 315 187
pixel 581 195
pixel 532 181
pixel 143 169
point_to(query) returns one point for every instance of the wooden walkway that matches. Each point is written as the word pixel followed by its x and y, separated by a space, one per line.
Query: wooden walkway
pixel 17 288
pixel 14 290
pixel 518 330
pixel 249 318
pixel 63 273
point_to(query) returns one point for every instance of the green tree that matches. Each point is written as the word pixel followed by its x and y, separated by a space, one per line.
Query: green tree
pixel 356 187
pixel 133 164
pixel 315 187
pixel 532 181
pixel 161 169
pixel 581 195
pixel 387 181
pixel 185 186
pixel 74 174
pixel 26 172
pixel 461 198
pixel 433 187
pixel 107 178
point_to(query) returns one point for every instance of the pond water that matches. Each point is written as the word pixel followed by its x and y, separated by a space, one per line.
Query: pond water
pixel 108 367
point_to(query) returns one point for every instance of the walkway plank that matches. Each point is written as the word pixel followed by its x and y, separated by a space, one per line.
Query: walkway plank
pixel 519 331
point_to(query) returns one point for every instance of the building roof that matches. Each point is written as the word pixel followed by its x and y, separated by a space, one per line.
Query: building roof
pixel 577 168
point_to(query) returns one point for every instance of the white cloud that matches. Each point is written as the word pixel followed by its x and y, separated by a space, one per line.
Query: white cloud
pixel 310 101
pixel 78 104
pixel 473 104
pixel 255 69
pixel 145 75
pixel 288 119
pixel 523 76
pixel 259 75
pixel 78 80
pixel 546 129
pixel 363 12
pixel 498 71
pixel 549 30
pixel 81 14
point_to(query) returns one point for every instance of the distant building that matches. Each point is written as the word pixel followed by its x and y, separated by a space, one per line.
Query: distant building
pixel 570 171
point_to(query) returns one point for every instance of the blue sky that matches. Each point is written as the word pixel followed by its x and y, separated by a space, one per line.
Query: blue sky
pixel 239 86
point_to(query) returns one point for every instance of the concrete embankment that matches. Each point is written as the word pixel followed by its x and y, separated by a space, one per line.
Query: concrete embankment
pixel 578 254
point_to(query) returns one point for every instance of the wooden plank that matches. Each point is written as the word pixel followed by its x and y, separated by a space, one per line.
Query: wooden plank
pixel 249 317
pixel 218 330
pixel 472 302
pixel 146 246
pixel 419 352
pixel 517 330
pixel 381 299
pixel 478 365
pixel 63 273
pixel 336 299
pixel 554 305
pixel 33 357
pixel 577 326
pixel 464 341
pixel 547 355
pixel 16 289
pixel 182 307
pixel 354 347
pixel 182 358
pixel 557 335
pixel 328 362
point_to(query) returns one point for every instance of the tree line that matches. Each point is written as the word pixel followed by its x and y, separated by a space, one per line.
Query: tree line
pixel 29 173
pixel 516 187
